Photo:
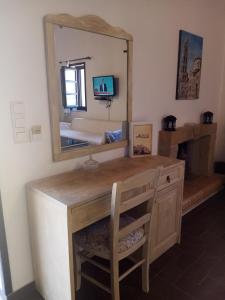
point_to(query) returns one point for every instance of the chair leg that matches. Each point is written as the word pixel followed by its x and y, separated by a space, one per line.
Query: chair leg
pixel 145 276
pixel 145 267
pixel 115 287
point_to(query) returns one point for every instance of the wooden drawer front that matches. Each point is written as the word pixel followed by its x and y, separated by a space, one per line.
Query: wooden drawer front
pixel 90 213
pixel 169 176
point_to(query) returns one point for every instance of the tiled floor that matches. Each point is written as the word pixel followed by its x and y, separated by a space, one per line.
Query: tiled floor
pixel 193 270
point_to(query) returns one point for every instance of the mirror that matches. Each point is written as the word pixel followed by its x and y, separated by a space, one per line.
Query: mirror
pixel 89 83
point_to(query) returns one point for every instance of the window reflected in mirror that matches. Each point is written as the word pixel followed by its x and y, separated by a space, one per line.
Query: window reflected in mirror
pixel 73 82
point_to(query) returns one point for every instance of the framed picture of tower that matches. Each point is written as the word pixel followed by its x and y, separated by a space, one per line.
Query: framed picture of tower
pixel 189 66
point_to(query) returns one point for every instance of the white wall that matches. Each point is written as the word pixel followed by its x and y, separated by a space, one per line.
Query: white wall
pixel 154 25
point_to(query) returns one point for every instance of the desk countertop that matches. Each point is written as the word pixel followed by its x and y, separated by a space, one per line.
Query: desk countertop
pixel 76 187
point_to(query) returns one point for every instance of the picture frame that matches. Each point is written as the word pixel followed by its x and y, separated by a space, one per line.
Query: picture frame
pixel 140 139
pixel 189 66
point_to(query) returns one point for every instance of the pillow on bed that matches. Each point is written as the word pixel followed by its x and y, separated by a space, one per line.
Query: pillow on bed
pixel 113 136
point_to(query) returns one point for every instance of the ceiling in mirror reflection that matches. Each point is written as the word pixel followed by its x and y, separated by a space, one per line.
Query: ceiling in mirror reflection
pixel 86 119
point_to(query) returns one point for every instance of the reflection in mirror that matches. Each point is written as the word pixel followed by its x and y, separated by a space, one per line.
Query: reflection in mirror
pixel 73 83
pixel 92 69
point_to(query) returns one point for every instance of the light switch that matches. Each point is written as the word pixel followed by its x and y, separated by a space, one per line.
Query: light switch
pixel 19 129
pixel 18 122
pixel 18 108
pixel 20 137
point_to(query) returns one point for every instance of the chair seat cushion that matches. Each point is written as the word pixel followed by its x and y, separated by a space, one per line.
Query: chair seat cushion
pixel 95 238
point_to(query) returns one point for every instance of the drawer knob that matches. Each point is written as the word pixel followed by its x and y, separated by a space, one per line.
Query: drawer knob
pixel 168 179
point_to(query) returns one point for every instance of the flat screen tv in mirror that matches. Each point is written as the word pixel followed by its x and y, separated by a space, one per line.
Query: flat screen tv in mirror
pixel 103 86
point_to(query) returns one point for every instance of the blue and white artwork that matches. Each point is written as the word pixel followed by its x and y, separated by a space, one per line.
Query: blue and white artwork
pixel 189 66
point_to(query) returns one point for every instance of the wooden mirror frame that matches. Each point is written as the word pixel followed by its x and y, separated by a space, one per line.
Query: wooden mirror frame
pixel 92 24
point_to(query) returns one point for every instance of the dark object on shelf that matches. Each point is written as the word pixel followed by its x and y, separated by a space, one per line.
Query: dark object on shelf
pixel 207 117
pixel 169 123
pixel 219 167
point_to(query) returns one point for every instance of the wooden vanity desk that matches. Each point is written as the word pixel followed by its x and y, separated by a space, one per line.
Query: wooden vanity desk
pixel 63 204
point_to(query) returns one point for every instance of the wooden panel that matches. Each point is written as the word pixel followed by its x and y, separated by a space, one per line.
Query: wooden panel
pixel 135 201
pixel 163 247
pixel 199 189
pixel 78 187
pixel 90 23
pixel 63 155
pixel 90 213
pixel 50 247
pixel 166 215
pixel 134 225
pixel 166 219
pixel 181 135
pixel 169 176
pixel 130 79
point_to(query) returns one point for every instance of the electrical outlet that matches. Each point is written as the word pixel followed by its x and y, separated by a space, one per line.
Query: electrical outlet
pixel 36 133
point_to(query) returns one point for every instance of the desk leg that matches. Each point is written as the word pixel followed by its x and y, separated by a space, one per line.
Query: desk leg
pixel 52 249
pixel 72 261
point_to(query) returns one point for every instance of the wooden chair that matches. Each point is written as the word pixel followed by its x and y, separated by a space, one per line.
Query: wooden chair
pixel 121 235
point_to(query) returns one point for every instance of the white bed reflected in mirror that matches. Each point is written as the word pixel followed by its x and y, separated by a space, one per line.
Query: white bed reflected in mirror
pixel 89 69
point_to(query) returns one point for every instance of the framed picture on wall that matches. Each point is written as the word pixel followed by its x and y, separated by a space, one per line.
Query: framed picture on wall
pixel 140 139
pixel 189 66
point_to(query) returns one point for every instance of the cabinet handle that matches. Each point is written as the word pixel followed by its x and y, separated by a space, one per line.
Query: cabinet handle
pixel 168 179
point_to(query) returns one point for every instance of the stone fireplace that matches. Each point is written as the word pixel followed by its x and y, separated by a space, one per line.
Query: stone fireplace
pixel 195 144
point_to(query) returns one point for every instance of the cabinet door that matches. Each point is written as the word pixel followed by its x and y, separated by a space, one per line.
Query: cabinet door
pixel 166 220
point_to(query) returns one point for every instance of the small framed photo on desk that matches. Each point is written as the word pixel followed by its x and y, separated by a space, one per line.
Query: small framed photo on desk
pixel 140 139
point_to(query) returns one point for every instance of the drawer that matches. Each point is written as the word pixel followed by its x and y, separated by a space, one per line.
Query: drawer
pixel 91 212
pixel 169 176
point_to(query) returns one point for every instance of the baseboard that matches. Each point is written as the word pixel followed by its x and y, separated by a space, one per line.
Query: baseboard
pixel 27 292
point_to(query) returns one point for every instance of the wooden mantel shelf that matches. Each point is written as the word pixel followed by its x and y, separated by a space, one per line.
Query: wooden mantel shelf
pixel 185 133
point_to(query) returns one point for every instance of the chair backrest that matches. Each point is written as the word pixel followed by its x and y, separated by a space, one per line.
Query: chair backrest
pixel 138 190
